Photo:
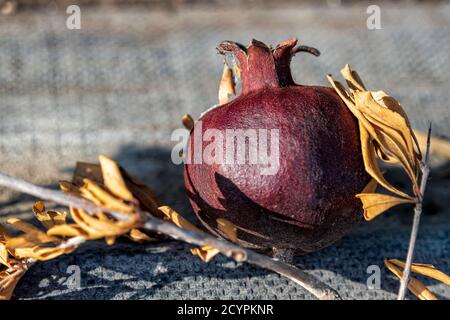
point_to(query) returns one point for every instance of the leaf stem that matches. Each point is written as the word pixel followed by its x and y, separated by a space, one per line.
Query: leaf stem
pixel 229 249
pixel 416 221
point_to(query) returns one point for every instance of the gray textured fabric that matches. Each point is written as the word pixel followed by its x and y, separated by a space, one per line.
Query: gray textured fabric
pixel 119 85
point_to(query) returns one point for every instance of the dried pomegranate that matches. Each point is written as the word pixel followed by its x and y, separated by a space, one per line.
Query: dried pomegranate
pixel 309 201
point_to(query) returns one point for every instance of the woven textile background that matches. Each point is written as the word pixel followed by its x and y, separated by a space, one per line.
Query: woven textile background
pixel 118 87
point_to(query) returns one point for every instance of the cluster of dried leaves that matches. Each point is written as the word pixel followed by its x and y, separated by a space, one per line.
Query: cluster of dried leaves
pixel 386 136
pixel 107 185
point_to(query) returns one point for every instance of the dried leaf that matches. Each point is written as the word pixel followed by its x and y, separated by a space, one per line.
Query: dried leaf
pixel 4 256
pixel 424 269
pixel 227 228
pixel 177 219
pixel 394 134
pixel 113 180
pixel 385 132
pixel 227 89
pixel 384 155
pixel 352 78
pixel 110 240
pixel 148 201
pixel 93 192
pixel 43 253
pixel 371 164
pixel 139 236
pixel 385 100
pixel 205 253
pixel 48 219
pixel 32 236
pixel 414 285
pixel 68 230
pixel 99 228
pixel 376 203
pixel 188 121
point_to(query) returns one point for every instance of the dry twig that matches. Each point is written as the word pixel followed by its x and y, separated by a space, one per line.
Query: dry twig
pixel 416 222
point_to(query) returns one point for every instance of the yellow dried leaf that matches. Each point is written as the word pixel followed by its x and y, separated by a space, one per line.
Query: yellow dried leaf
pixel 78 216
pixel 139 236
pixel 68 230
pixel 392 113
pixel 397 154
pixel 32 236
pixel 177 219
pixel 424 269
pixel 110 240
pixel 227 228
pixel 4 256
pixel 48 219
pixel 227 87
pixel 93 192
pixel 147 199
pixel 384 155
pixel 352 78
pixel 113 180
pixel 205 253
pixel 376 203
pixel 414 285
pixel 385 131
pixel 371 104
pixel 371 164
pixel 420 290
pixel 394 134
pixel 42 253
pixel 97 228
pixel 388 102
pixel 188 121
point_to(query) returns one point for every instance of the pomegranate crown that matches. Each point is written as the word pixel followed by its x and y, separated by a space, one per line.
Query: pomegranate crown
pixel 263 66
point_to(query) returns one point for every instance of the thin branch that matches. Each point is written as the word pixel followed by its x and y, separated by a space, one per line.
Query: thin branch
pixel 416 222
pixel 229 249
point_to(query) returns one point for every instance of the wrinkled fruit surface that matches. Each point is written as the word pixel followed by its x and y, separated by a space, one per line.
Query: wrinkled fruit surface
pixel 309 203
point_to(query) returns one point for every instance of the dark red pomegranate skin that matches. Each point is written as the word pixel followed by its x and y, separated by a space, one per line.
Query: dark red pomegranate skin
pixel 310 202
